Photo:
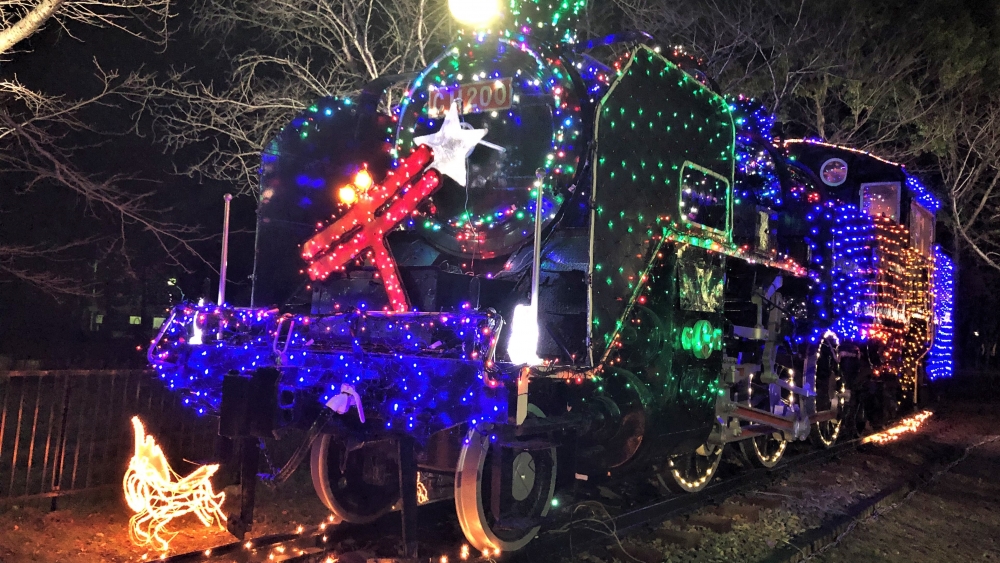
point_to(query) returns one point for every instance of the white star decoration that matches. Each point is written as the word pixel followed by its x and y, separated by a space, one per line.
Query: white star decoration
pixel 452 145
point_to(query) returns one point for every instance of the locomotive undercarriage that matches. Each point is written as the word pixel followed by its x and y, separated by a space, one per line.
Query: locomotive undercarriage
pixel 569 423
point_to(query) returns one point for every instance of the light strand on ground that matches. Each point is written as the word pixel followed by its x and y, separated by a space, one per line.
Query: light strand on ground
pixel 905 426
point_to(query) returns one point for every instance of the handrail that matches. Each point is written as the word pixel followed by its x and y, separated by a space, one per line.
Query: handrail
pixel 159 336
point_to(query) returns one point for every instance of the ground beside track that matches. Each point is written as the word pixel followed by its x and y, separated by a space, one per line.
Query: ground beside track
pixel 955 519
pixel 96 529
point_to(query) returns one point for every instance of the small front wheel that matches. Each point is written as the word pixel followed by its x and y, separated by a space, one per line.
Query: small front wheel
pixel 358 485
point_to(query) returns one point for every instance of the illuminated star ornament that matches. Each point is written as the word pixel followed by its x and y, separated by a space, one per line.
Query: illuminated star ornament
pixel 452 145
pixel 377 211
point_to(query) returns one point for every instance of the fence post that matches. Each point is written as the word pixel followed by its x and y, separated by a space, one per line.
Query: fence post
pixel 60 452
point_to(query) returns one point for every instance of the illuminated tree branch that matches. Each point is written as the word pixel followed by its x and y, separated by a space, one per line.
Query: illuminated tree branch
pixel 39 132
pixel 144 19
pixel 28 264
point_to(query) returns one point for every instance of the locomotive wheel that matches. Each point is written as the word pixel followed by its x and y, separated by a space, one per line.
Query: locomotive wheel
pixel 828 385
pixel 359 485
pixel 856 420
pixel 693 471
pixel 502 492
pixel 764 450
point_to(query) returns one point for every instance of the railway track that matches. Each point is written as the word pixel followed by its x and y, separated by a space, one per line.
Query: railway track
pixel 562 537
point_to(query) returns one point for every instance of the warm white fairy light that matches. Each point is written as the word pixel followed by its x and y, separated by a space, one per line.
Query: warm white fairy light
pixel 157 494
pixel 907 425
pixel 474 13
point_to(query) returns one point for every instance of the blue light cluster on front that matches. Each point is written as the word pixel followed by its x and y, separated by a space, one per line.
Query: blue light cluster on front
pixel 418 372
pixel 940 362
pixel 855 269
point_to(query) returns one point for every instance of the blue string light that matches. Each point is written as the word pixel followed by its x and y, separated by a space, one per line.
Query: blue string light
pixel 420 371
pixel 940 362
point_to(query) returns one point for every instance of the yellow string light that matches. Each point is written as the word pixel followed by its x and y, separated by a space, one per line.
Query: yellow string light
pixel 157 494
pixel 907 425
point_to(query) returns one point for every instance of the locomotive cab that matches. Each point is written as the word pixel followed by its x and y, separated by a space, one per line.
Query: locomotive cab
pixel 878 222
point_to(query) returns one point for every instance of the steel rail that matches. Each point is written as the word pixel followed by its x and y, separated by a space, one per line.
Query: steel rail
pixel 313 543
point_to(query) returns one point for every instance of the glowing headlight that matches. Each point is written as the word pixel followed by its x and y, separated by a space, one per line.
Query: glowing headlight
pixel 474 12
pixel 523 344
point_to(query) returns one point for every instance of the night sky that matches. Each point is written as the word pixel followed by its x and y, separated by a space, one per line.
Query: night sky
pixel 130 277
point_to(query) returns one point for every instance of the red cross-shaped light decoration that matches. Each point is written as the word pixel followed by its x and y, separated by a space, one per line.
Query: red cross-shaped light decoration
pixel 402 190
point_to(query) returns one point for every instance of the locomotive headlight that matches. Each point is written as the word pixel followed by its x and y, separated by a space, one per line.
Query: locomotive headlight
pixel 474 13
pixel 523 344
pixel 347 195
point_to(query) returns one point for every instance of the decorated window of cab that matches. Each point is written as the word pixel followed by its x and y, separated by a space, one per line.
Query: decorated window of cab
pixel 881 199
pixel 921 229
pixel 704 198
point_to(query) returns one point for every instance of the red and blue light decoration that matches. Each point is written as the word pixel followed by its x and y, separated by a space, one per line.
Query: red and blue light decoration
pixel 367 224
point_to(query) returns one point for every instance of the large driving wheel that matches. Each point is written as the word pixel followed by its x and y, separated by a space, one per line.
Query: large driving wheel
pixel 692 472
pixel 503 492
pixel 357 485
pixel 829 385
pixel 764 450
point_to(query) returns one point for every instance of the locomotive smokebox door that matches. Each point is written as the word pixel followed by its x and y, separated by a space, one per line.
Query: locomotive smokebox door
pixel 661 227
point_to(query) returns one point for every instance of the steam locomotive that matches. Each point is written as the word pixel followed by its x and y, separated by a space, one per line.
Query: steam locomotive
pixel 556 260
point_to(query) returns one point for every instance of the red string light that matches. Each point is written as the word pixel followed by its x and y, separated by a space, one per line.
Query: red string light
pixel 403 189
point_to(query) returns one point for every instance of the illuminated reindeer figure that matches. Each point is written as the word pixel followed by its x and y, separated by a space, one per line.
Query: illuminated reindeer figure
pixel 157 494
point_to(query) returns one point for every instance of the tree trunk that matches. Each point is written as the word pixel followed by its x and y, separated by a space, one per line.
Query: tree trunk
pixel 28 25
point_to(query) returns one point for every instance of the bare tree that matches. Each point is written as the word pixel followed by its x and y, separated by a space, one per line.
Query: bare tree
pixel 969 163
pixel 837 71
pixel 35 126
pixel 18 262
pixel 304 50
pixel 763 48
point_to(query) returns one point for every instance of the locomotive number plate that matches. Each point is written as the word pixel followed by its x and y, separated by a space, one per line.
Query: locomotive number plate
pixel 477 97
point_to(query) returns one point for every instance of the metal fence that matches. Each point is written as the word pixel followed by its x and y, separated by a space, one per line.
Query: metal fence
pixel 65 432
